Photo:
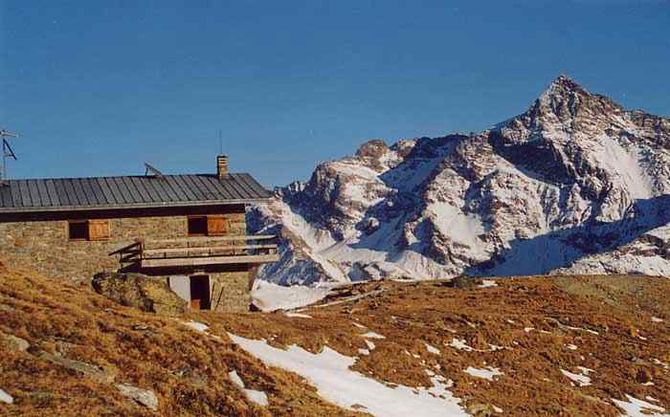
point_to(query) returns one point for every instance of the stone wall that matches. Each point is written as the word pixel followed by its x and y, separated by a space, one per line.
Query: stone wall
pixel 44 246
pixel 230 291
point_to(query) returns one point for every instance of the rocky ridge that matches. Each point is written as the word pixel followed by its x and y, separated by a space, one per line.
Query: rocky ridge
pixel 576 184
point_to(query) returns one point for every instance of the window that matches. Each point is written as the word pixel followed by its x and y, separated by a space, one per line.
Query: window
pixel 207 226
pixel 197 226
pixel 88 230
pixel 78 230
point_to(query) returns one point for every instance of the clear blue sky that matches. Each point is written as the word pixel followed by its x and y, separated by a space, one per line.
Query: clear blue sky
pixel 99 87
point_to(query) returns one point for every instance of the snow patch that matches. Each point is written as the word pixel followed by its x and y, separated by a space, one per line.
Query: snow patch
pixel 258 397
pixel 624 164
pixel 432 349
pixel 200 327
pixel 639 408
pixel 268 296
pixel 460 344
pixel 6 398
pixel 488 373
pixel 372 335
pixel 298 315
pixel 488 283
pixel 581 379
pixel 458 226
pixel 329 371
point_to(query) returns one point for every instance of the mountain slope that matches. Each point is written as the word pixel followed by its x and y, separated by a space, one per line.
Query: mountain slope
pixel 67 351
pixel 571 181
pixel 513 347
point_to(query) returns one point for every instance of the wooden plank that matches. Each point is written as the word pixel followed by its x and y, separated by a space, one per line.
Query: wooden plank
pixel 210 239
pixel 215 260
pixel 192 251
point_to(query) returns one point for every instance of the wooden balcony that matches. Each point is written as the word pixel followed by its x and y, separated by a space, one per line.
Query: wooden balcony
pixel 199 251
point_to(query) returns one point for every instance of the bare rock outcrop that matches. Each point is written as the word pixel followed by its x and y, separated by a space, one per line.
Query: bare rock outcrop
pixel 139 291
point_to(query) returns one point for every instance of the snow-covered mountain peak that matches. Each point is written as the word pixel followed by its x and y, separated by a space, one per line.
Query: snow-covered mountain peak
pixel 529 196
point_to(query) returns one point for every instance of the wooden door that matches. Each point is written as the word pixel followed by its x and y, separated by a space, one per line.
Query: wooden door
pixel 200 292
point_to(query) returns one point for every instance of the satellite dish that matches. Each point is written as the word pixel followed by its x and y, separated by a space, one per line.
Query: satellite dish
pixel 150 170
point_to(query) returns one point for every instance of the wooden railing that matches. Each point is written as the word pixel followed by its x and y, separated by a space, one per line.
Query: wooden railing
pixel 199 251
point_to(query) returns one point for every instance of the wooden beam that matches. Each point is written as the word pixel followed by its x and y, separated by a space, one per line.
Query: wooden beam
pixel 213 260
pixel 150 253
pixel 195 239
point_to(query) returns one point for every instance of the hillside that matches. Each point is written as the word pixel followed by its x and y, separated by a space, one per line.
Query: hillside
pixel 518 347
pixel 576 184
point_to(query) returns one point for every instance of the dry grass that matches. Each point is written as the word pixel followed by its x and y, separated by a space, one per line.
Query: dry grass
pixel 188 370
pixel 619 309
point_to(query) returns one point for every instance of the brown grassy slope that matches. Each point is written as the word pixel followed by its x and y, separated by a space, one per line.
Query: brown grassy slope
pixel 186 369
pixel 628 350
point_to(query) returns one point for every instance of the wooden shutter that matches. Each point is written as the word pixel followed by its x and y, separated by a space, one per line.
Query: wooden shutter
pixel 217 225
pixel 98 230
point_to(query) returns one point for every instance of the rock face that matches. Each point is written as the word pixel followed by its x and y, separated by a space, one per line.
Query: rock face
pixel 11 342
pixel 574 184
pixel 139 291
pixel 143 397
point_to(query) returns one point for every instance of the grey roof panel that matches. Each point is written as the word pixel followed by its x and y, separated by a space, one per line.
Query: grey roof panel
pixel 66 194
pixel 51 192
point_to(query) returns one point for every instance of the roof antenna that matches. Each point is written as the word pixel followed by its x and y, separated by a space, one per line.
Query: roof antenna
pixel 7 153
pixel 220 143
pixel 149 169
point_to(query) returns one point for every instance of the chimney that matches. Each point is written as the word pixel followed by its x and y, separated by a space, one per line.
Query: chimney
pixel 222 166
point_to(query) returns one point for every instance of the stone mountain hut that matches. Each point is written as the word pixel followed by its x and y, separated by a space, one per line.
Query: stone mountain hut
pixel 189 230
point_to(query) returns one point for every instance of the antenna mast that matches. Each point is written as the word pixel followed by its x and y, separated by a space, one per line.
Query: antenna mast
pixel 7 152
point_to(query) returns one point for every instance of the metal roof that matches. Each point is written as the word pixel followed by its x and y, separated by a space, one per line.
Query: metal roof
pixel 65 194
